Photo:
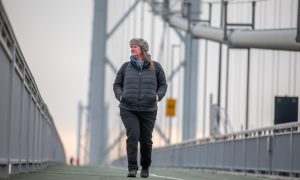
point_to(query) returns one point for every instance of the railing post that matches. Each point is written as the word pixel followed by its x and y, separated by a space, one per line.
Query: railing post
pixel 244 155
pixel 298 26
pixel 291 152
pixel 22 116
pixel 257 150
pixel 30 109
pixel 12 77
pixel 33 131
pixel 232 145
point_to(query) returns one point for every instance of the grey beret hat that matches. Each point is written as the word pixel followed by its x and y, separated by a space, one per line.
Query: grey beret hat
pixel 140 42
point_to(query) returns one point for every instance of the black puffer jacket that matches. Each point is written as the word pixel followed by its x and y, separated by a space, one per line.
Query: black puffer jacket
pixel 140 88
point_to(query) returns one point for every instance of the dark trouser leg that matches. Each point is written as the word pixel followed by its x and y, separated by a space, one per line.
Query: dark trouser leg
pixel 132 126
pixel 147 120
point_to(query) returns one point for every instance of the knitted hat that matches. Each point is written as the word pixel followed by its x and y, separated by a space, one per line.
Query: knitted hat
pixel 140 42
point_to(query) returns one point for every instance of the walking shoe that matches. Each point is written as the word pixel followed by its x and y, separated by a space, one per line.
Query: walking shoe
pixel 132 173
pixel 145 172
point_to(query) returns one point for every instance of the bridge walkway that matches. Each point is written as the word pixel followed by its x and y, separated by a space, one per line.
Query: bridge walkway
pixel 113 173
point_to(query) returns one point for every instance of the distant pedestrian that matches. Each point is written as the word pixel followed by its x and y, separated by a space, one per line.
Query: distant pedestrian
pixel 71 160
pixel 139 85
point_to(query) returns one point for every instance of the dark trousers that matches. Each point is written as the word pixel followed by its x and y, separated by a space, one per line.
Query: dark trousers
pixel 139 127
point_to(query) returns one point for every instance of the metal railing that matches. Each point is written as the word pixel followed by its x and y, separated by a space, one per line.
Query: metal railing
pixel 28 137
pixel 272 151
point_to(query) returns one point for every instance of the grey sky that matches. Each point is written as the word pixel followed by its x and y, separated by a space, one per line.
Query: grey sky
pixel 55 38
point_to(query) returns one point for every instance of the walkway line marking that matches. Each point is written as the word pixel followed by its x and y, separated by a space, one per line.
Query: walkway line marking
pixel 154 175
pixel 166 177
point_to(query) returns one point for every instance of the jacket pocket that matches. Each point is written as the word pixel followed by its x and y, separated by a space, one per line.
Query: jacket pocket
pixel 129 101
pixel 149 100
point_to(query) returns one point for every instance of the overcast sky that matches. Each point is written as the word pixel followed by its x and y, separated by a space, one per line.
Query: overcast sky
pixel 55 38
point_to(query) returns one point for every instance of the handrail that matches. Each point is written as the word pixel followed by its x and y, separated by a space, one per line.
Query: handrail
pixel 272 130
pixel 30 140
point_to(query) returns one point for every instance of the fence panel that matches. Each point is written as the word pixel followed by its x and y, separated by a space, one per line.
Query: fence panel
pixel 15 125
pixel 273 150
pixel 4 104
pixel 25 127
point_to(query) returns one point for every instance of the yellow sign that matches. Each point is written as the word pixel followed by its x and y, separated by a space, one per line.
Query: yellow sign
pixel 171 107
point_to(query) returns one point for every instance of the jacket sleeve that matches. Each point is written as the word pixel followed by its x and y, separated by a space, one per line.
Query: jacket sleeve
pixel 161 82
pixel 118 84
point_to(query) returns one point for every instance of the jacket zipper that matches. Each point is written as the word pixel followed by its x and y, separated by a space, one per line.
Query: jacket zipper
pixel 140 80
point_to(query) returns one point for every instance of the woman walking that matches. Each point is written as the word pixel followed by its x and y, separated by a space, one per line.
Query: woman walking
pixel 139 85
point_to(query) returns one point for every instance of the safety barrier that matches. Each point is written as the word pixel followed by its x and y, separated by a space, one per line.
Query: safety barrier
pixel 270 151
pixel 28 137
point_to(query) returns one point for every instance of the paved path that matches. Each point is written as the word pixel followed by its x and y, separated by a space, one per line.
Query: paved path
pixel 111 173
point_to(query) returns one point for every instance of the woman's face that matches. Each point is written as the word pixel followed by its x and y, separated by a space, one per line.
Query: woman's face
pixel 135 50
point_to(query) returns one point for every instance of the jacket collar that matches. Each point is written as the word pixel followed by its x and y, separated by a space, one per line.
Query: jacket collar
pixel 135 64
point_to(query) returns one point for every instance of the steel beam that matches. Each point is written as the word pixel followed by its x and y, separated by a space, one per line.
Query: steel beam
pixel 189 119
pixel 277 39
pixel 111 65
pixel 122 19
pixel 80 111
pixel 98 124
pixel 298 26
